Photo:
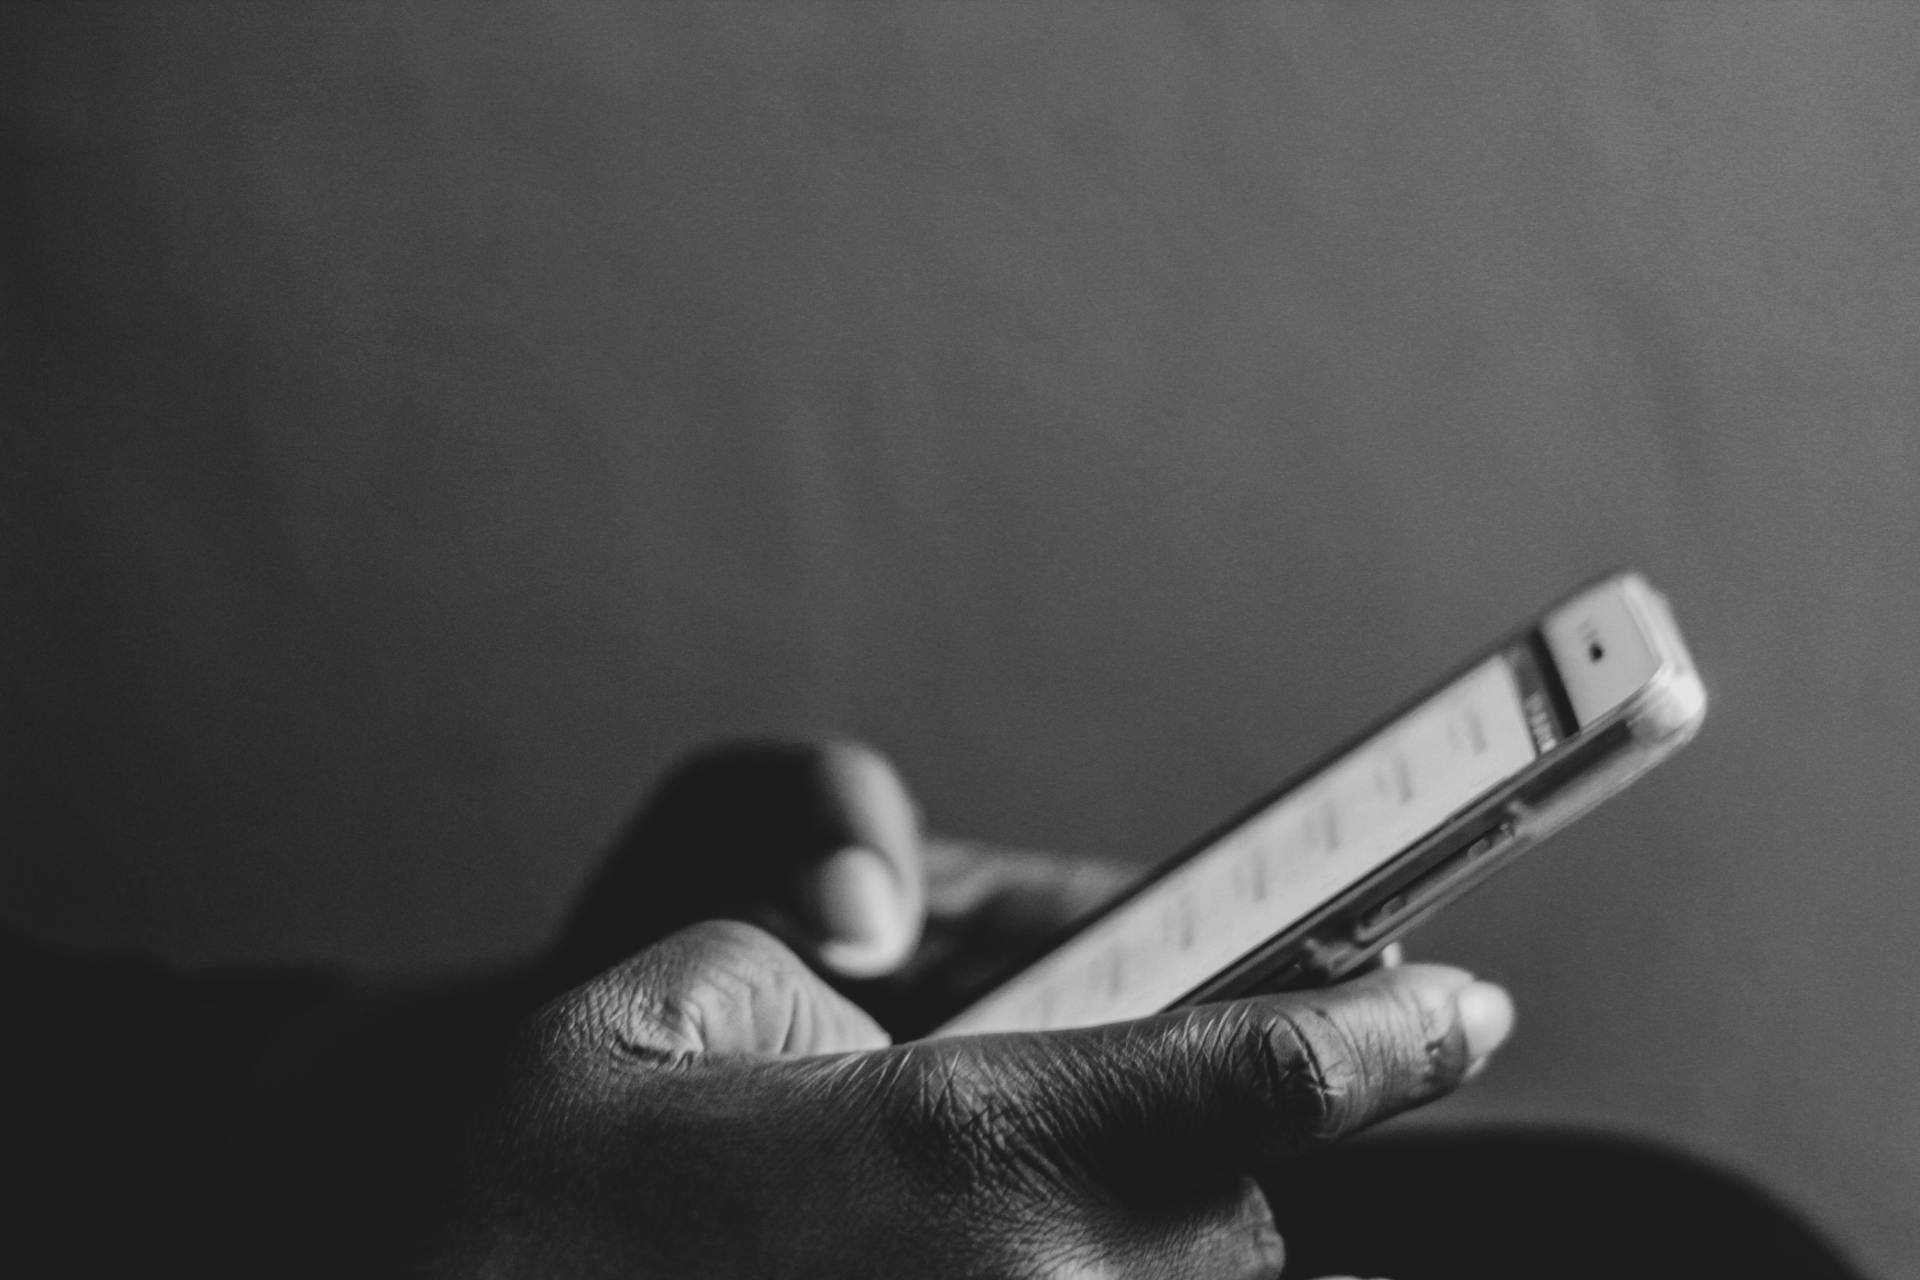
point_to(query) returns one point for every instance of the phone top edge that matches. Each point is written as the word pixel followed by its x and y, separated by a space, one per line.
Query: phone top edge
pixel 1672 704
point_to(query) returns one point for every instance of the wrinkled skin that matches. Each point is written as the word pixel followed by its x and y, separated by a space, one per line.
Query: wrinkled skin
pixel 711 1106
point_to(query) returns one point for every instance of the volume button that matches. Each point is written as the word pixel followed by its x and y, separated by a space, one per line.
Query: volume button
pixel 1498 838
pixel 1410 899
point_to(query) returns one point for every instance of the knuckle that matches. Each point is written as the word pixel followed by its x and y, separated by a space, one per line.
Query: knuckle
pixel 659 1005
pixel 1306 1063
pixel 727 944
pixel 654 1025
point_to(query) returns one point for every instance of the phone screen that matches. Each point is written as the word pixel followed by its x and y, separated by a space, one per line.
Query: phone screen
pixel 1315 841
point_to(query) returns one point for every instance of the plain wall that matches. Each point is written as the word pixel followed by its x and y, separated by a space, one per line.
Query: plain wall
pixel 422 421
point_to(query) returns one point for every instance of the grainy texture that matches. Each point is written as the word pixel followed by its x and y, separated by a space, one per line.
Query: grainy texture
pixel 421 421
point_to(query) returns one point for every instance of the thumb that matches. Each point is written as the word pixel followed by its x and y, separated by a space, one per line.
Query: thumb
pixel 1238 1086
pixel 819 842
pixel 860 910
pixel 721 987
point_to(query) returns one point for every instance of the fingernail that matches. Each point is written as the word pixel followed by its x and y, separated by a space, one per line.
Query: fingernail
pixel 1486 1017
pixel 855 903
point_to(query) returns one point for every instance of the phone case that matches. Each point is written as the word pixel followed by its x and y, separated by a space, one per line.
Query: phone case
pixel 1561 785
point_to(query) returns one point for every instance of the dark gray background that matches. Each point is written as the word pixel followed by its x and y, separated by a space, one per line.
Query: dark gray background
pixel 424 420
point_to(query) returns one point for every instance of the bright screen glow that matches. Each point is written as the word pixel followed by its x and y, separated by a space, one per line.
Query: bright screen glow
pixel 1318 840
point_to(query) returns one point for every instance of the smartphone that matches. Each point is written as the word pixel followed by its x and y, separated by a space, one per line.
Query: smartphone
pixel 1317 877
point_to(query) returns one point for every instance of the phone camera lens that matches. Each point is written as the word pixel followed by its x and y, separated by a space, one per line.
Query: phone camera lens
pixel 1594 651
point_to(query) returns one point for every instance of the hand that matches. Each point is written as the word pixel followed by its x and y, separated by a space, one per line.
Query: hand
pixel 821 845
pixel 711 1108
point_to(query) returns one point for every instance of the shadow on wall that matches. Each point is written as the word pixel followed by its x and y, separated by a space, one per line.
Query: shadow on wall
pixel 425 421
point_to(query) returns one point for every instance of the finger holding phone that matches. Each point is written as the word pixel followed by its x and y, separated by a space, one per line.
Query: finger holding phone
pixel 712 1106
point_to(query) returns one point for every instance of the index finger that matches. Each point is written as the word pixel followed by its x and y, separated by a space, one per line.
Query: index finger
pixel 818 842
pixel 1235 1087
